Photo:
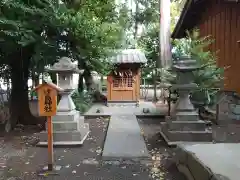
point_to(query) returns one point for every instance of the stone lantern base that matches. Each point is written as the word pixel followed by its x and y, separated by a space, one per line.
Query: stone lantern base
pixel 69 127
pixel 175 132
pixel 72 131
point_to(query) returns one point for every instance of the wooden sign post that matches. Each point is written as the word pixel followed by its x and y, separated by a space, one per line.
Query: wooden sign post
pixel 47 103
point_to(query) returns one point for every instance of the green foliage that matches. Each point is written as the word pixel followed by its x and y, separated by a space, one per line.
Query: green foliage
pixel 23 22
pixel 82 101
pixel 86 31
pixel 210 76
pixel 176 8
pixel 31 22
pixel 92 33
pixel 147 11
pixel 149 42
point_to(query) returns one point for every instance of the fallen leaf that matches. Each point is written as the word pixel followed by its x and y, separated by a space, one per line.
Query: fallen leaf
pixel 74 172
pixel 91 161
pixel 155 170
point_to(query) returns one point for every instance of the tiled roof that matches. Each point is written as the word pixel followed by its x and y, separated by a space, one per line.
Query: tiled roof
pixel 129 56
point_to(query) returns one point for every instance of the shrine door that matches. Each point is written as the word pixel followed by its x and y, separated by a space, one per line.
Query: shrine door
pixel 123 89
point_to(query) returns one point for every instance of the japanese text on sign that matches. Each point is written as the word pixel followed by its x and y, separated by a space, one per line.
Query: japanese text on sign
pixel 47 101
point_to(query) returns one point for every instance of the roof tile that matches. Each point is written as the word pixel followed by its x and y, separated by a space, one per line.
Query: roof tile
pixel 129 56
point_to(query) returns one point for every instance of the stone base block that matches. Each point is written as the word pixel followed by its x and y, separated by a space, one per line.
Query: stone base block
pixel 66 137
pixel 68 125
pixel 198 163
pixel 65 126
pixel 174 137
pixel 67 116
pixel 187 116
pixel 186 125
pixel 121 103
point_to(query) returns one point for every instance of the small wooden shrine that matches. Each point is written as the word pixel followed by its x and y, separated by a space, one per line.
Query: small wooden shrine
pixel 123 83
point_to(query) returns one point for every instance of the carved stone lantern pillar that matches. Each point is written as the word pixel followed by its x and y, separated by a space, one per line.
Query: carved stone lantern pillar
pixel 68 125
pixel 185 124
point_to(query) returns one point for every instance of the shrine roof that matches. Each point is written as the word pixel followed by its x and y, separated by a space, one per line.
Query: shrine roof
pixel 129 56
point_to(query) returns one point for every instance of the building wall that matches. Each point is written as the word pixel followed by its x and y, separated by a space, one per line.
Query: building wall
pixel 125 93
pixel 221 20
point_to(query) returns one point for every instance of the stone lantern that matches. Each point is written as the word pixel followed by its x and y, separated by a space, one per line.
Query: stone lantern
pixel 184 124
pixel 69 127
pixel 184 107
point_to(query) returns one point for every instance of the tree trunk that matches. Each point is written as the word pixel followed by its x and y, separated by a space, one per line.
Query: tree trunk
pixel 155 85
pixel 53 77
pixel 19 103
pixel 136 20
pixel 35 79
pixel 80 84
pixel 88 79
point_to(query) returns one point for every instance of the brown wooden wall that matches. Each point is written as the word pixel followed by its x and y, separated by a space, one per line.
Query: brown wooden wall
pixel 221 20
pixel 125 93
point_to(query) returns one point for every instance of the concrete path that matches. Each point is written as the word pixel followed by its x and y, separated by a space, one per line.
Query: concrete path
pixel 210 161
pixel 124 139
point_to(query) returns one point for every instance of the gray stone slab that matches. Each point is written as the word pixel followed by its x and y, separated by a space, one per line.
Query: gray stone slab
pixel 124 139
pixel 122 108
pixel 220 160
pixel 177 137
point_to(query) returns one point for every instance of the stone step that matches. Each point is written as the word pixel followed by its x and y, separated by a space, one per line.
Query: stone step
pixel 66 116
pixel 131 104
pixel 186 125
pixel 65 135
pixel 187 136
pixel 190 136
pixel 187 116
pixel 66 126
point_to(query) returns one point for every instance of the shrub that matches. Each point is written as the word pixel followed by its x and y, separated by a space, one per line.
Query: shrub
pixel 83 101
pixel 210 77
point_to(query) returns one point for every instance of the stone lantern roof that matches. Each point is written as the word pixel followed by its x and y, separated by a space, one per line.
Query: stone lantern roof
pixel 64 64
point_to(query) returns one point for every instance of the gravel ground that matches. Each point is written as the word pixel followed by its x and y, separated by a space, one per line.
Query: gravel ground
pixel 162 165
pixel 21 160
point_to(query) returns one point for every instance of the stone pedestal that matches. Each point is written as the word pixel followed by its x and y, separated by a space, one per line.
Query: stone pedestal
pixel 184 124
pixel 69 127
